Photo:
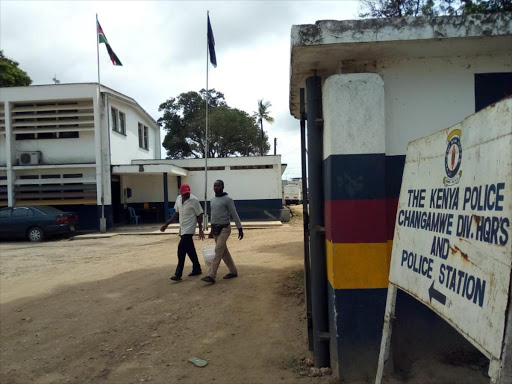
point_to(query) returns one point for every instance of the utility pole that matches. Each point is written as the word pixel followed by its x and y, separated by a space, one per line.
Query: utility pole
pixel 275 146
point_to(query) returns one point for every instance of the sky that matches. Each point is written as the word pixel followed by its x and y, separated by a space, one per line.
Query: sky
pixel 162 45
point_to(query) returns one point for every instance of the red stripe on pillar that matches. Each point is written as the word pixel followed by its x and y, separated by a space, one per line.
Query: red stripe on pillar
pixel 356 221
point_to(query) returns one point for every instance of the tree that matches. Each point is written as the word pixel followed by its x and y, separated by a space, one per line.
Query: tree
pixel 10 74
pixel 231 131
pixel 401 8
pixel 263 113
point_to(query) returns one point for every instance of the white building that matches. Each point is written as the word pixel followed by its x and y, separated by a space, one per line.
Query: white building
pixel 97 152
pixel 253 182
pixel 57 143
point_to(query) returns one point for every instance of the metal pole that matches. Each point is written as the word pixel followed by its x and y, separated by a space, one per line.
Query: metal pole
pixel 205 220
pixel 275 146
pixel 316 223
pixel 305 219
pixel 98 50
pixel 103 223
pixel 166 198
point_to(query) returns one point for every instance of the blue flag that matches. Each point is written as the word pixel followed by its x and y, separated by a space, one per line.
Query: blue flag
pixel 211 44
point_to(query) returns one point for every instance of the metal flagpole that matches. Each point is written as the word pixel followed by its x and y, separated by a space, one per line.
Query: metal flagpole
pixel 205 220
pixel 98 50
pixel 103 224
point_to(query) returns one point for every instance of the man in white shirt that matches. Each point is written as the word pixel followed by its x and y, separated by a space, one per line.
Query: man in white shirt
pixel 189 211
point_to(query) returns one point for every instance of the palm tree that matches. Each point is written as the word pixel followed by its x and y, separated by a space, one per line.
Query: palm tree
pixel 263 113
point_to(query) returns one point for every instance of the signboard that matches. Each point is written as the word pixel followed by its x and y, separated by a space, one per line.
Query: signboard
pixel 452 243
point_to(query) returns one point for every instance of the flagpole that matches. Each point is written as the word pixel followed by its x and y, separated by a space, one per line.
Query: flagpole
pixel 98 50
pixel 103 224
pixel 205 221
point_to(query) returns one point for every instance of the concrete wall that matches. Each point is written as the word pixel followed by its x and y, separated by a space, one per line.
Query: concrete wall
pixel 125 148
pixel 257 192
pixel 423 96
pixel 62 151
pixel 149 188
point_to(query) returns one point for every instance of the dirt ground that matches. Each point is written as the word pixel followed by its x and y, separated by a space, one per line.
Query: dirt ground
pixel 105 311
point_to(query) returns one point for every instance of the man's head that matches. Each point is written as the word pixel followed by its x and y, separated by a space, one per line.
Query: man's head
pixel 218 187
pixel 185 191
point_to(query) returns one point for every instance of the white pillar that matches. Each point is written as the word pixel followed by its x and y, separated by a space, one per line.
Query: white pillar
pixel 10 154
pixel 99 158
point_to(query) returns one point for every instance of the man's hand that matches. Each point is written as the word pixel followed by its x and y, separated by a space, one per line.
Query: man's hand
pixel 210 235
pixel 201 234
pixel 163 228
pixel 240 234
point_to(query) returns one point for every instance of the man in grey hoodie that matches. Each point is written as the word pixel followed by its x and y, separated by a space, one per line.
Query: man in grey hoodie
pixel 222 209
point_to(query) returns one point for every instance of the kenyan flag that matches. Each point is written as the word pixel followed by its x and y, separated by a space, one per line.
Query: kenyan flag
pixel 103 39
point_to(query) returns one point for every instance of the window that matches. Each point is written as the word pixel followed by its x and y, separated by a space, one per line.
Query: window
pixel 115 125
pixel 143 136
pixel 68 135
pixel 122 123
pixel 239 167
pixel 118 121
pixel 202 168
pixel 47 135
pixel 146 137
pixel 22 212
pixel 140 134
pixel 25 136
pixel 4 213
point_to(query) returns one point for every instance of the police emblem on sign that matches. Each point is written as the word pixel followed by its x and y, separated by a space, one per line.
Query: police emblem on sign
pixel 453 159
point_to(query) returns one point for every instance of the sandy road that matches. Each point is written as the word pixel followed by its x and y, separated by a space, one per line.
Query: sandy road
pixel 97 311
pixel 104 311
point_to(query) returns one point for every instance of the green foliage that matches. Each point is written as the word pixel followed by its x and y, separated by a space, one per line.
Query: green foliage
pixel 263 113
pixel 10 74
pixel 402 8
pixel 231 131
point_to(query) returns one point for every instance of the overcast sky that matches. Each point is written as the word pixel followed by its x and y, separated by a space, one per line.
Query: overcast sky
pixel 162 45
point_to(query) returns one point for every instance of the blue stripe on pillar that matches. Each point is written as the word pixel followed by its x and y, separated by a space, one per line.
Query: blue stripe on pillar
pixel 359 321
pixel 363 176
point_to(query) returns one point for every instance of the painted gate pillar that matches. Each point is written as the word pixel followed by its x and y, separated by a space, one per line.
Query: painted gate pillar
pixel 359 219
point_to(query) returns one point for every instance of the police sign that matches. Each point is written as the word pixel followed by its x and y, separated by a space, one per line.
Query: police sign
pixel 452 242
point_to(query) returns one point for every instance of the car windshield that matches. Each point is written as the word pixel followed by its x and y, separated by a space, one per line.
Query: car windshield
pixel 46 209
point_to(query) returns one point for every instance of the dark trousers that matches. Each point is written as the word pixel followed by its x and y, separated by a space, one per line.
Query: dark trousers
pixel 186 246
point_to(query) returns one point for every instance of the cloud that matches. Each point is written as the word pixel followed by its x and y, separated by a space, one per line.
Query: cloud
pixel 162 45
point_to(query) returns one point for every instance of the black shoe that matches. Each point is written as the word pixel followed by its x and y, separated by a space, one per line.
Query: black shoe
pixel 208 279
pixel 230 275
pixel 195 273
pixel 175 278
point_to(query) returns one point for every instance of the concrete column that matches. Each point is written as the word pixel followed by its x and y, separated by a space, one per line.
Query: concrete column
pixel 102 223
pixel 10 154
pixel 356 222
pixel 166 197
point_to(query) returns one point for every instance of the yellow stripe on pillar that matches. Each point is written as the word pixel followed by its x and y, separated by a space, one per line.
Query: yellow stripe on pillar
pixel 358 265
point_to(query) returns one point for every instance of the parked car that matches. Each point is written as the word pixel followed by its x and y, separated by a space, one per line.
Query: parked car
pixel 35 222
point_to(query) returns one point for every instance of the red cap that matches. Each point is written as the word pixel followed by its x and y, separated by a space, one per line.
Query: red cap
pixel 185 188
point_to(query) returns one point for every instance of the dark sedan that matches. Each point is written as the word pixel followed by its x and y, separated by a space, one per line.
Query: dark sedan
pixel 35 222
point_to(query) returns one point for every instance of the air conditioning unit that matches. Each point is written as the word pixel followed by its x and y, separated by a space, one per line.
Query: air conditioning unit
pixel 29 158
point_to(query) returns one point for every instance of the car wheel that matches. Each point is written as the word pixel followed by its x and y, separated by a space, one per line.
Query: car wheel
pixel 35 234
